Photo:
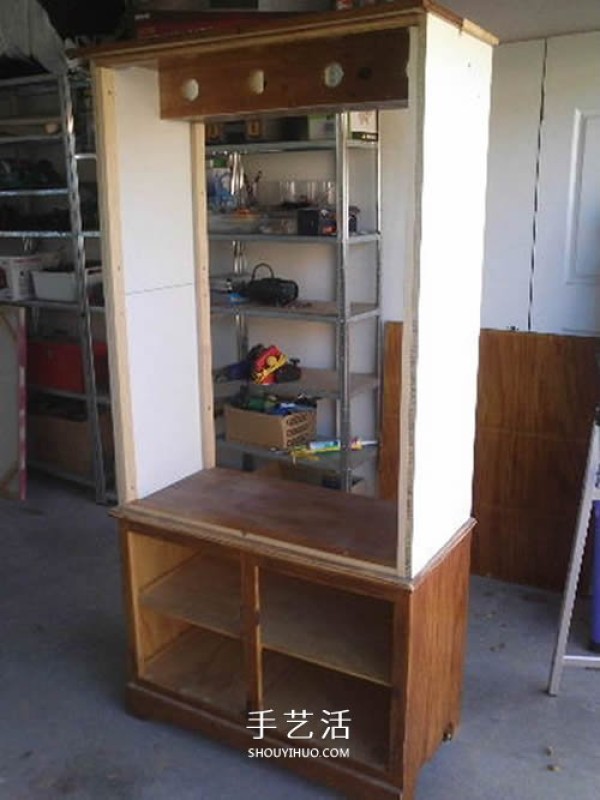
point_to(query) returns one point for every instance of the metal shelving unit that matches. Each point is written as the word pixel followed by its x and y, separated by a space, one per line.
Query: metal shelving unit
pixel 338 384
pixel 54 129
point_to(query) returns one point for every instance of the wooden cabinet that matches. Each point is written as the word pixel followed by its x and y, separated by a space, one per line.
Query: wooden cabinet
pixel 230 616
pixel 249 594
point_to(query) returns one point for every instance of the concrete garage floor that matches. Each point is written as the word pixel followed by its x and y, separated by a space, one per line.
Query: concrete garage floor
pixel 64 733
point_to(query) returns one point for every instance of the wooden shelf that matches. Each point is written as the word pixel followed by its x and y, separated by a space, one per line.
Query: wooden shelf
pixel 202 667
pixel 335 629
pixel 290 684
pixel 204 591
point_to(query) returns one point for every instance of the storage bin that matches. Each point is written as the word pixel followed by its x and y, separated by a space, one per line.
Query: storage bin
pixel 270 430
pixel 18 270
pixel 59 285
pixel 58 365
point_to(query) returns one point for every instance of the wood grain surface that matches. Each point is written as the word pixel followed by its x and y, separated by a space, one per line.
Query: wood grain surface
pixel 373 71
pixel 350 525
pixel 389 451
pixel 537 395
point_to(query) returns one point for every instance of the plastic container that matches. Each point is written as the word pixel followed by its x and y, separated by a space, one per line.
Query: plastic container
pixel 60 286
pixel 18 270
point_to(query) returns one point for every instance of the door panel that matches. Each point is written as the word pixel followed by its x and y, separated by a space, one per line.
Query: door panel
pixel 566 281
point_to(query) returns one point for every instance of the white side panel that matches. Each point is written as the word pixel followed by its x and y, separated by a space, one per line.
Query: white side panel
pixel 164 386
pixel 514 128
pixel 457 97
pixel 157 240
pixel 396 193
pixel 155 176
pixel 12 403
pixel 566 287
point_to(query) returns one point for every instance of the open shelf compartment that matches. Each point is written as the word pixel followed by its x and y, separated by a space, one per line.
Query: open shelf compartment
pixel 293 685
pixel 343 631
pixel 204 590
pixel 203 668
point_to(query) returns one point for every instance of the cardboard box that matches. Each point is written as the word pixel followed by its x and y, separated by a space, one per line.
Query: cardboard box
pixel 269 430
pixel 65 443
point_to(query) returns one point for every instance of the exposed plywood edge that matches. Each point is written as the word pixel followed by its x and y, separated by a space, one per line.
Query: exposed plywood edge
pixel 114 282
pixel 408 398
pixel 401 13
pixel 201 253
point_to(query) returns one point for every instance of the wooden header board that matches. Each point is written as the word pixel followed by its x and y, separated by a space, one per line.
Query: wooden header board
pixel 336 72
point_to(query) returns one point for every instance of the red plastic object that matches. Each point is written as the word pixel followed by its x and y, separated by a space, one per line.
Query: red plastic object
pixel 58 365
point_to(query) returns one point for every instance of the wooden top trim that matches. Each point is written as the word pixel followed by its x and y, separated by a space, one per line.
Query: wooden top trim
pixel 308 525
pixel 397 14
pixel 347 526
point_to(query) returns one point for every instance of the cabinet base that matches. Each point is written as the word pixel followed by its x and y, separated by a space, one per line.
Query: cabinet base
pixel 146 703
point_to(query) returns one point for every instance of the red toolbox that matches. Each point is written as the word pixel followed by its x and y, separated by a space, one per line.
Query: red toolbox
pixel 58 365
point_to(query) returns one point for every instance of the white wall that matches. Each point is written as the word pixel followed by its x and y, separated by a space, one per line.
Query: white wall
pixel 514 129
pixel 542 269
pixel 159 279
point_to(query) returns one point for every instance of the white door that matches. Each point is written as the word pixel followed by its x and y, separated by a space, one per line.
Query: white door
pixel 566 277
pixel 12 402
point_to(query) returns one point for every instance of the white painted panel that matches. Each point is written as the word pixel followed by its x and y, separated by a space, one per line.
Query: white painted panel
pixel 514 128
pixel 164 386
pixel 12 403
pixel 397 196
pixel 457 97
pixel 156 198
pixel 566 285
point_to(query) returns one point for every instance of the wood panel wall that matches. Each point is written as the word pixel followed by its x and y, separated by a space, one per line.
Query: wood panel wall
pixel 537 394
pixel 389 450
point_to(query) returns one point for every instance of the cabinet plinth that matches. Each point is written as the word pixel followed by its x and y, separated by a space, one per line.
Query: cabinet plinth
pixel 226 619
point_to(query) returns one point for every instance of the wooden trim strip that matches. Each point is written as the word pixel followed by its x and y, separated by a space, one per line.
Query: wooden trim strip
pixel 401 13
pixel 201 253
pixel 250 579
pixel 114 282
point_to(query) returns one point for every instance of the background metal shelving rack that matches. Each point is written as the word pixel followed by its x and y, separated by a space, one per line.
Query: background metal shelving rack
pixel 338 384
pixel 62 86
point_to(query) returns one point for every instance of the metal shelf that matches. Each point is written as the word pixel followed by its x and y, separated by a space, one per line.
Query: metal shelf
pixel 101 399
pixel 44 138
pixel 309 311
pixel 17 122
pixel 57 305
pixel 352 239
pixel 325 462
pixel 316 382
pixel 49 192
pixel 34 129
pixel 47 234
pixel 303 146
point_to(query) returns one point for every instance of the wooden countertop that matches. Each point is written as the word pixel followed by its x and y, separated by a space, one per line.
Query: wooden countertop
pixel 355 527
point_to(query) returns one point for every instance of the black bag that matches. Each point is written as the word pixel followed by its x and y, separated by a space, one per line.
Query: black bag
pixel 270 291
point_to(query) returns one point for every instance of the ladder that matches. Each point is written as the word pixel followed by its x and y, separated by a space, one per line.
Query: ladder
pixel 590 493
